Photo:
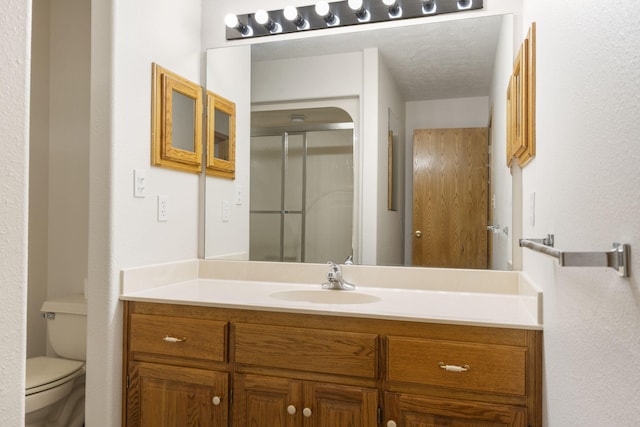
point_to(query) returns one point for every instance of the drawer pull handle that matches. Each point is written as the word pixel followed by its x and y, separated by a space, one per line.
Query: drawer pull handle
pixel 392 423
pixel 173 339
pixel 291 410
pixel 216 400
pixel 306 412
pixel 454 368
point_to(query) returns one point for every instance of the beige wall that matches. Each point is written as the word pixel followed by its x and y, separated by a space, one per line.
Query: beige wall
pixel 15 23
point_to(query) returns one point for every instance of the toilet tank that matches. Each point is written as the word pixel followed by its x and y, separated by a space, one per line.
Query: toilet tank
pixel 67 326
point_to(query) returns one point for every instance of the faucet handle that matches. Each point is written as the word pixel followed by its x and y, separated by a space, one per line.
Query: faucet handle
pixel 349 260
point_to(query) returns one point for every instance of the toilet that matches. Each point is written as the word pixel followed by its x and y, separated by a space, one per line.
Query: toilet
pixel 54 395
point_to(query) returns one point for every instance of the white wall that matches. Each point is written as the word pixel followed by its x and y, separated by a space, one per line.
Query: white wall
pixel 38 179
pixel 15 25
pixel 230 239
pixel 68 210
pixel 586 180
pixel 123 231
pixel 391 113
pixel 501 175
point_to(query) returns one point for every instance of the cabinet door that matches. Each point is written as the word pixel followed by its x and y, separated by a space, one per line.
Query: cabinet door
pixel 262 401
pixel 331 405
pixel 162 395
pixel 408 410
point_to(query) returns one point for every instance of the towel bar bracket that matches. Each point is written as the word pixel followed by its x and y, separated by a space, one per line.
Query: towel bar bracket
pixel 617 258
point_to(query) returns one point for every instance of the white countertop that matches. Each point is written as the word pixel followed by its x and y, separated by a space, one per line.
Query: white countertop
pixel 508 309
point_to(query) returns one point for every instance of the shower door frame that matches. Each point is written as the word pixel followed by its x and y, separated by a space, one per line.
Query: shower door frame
pixel 285 132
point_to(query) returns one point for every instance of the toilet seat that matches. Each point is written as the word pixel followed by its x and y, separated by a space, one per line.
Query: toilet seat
pixel 45 373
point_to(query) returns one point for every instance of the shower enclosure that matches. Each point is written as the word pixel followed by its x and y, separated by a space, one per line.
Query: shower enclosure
pixel 302 193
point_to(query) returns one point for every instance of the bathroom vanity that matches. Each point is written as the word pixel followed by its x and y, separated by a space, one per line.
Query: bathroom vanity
pixel 310 357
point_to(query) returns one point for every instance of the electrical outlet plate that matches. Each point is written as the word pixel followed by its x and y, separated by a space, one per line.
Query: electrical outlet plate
pixel 163 208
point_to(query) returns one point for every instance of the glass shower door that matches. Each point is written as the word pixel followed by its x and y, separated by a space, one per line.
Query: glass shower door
pixel 277 198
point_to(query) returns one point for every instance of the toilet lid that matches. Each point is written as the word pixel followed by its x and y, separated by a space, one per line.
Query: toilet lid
pixel 47 370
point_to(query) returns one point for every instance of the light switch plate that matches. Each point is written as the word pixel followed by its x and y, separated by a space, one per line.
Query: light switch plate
pixel 139 183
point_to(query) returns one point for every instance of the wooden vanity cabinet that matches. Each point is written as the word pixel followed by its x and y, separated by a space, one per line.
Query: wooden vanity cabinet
pixel 176 367
pixel 303 370
pixel 273 401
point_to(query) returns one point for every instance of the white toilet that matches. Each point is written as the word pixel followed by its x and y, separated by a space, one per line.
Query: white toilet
pixel 55 385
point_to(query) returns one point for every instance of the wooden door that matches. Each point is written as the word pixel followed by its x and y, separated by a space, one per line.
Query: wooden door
pixel 450 176
pixel 332 405
pixel 167 396
pixel 262 401
pixel 419 411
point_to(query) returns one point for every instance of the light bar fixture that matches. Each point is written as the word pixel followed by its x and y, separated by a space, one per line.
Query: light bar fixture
pixel 291 14
pixel 232 22
pixel 324 11
pixel 395 11
pixel 262 17
pixel 325 15
pixel 357 6
pixel 429 7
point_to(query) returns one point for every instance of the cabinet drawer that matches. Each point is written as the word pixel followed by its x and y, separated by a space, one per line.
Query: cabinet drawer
pixel 491 368
pixel 313 350
pixel 178 336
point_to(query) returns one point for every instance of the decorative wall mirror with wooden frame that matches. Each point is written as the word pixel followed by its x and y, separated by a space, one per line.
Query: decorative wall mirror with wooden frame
pixel 530 43
pixel 517 101
pixel 521 134
pixel 176 121
pixel 221 137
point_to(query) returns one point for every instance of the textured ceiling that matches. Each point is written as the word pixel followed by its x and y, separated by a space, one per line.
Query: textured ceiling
pixel 437 60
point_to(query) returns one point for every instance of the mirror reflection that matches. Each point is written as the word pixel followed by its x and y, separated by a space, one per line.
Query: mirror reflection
pixel 301 207
pixel 221 137
pixel 183 111
pixel 450 74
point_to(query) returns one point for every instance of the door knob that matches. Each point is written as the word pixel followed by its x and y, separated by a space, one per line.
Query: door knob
pixel 418 234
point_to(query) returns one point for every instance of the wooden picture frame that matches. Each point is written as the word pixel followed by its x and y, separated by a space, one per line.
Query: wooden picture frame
pixel 221 136
pixel 176 121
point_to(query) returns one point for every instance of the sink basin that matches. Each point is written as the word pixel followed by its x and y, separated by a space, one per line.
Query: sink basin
pixel 324 296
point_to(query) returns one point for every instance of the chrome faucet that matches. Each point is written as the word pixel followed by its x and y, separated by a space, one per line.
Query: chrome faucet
pixel 335 279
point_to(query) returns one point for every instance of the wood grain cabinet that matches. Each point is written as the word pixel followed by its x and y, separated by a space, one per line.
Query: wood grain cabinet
pixel 273 401
pixel 201 366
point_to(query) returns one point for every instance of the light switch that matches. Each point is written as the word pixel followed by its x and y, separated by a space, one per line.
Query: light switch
pixel 532 207
pixel 238 197
pixel 139 183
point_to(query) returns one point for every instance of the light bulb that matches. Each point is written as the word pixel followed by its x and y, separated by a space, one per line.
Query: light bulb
pixel 359 10
pixel 290 13
pixel 389 3
pixel 262 17
pixel 231 20
pixel 322 8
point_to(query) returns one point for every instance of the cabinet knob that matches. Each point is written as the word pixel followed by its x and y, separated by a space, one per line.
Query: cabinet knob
pixel 216 400
pixel 418 234
pixel 392 423
pixel 306 412
pixel 291 410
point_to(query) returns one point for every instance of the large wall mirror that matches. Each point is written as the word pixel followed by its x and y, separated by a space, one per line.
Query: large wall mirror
pixel 444 74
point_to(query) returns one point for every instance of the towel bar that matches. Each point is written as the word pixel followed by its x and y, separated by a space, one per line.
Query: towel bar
pixel 617 258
